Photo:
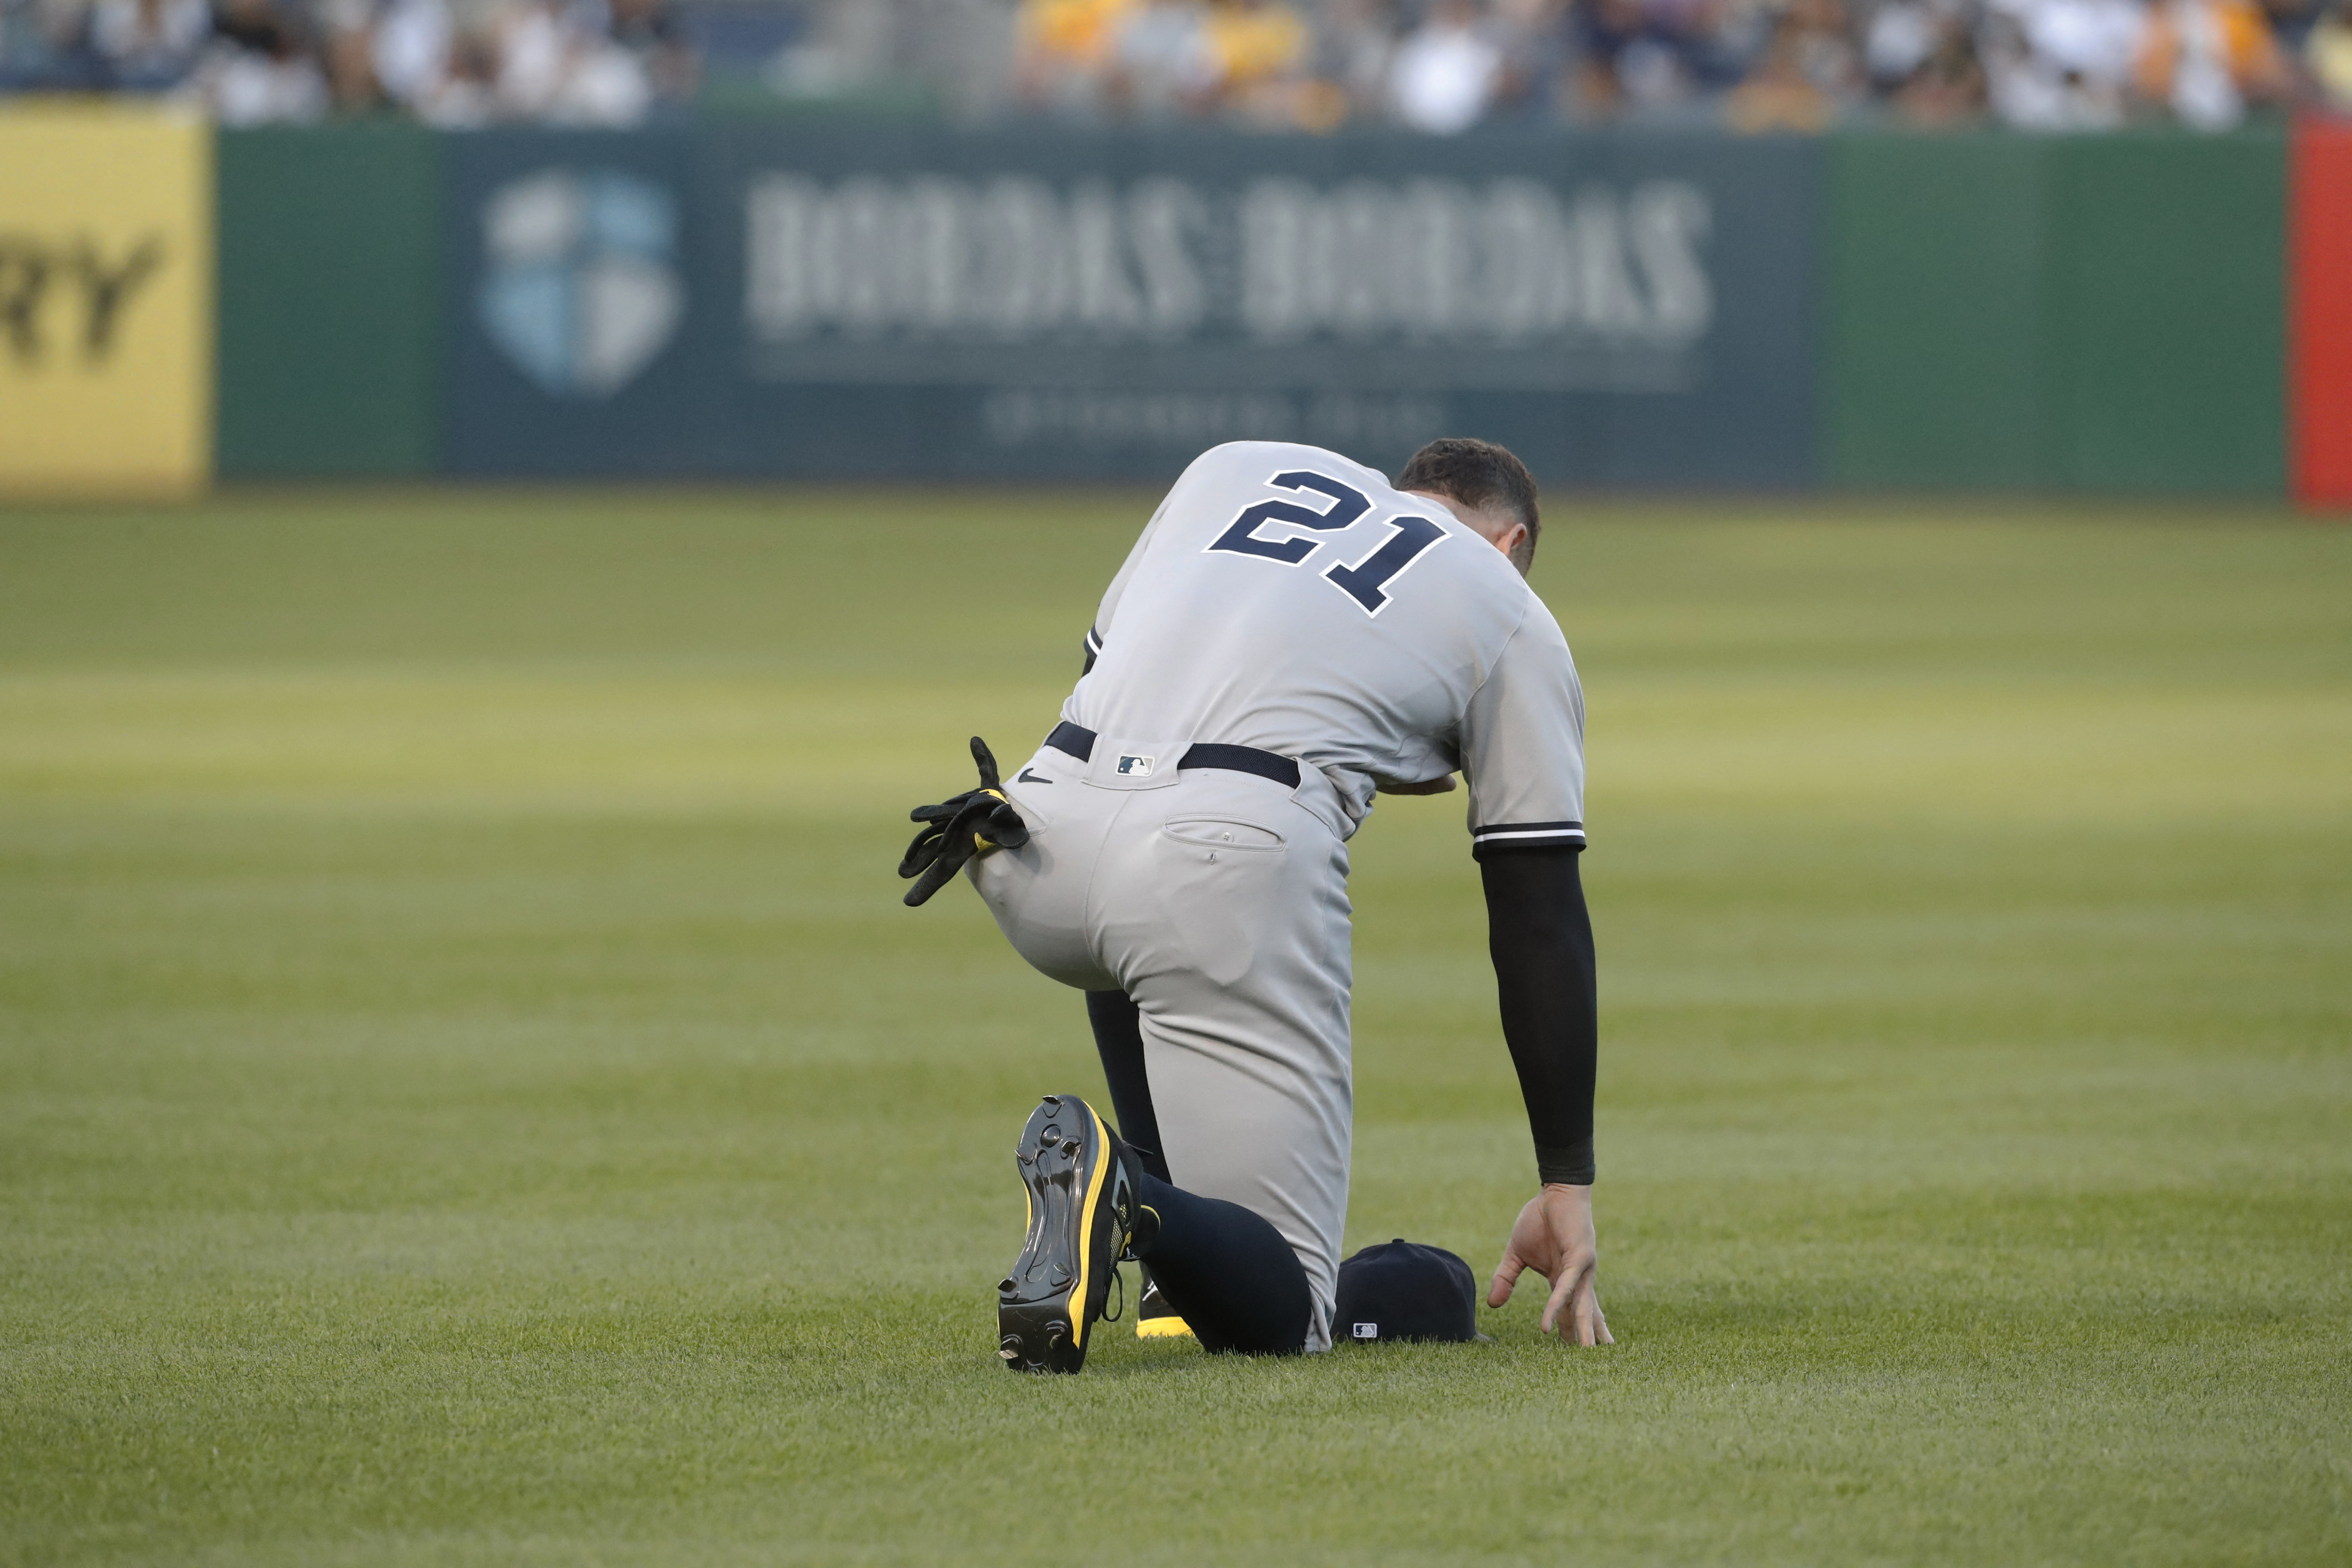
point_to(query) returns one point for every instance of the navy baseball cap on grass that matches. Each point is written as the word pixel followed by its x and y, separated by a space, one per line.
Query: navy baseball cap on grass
pixel 1403 1291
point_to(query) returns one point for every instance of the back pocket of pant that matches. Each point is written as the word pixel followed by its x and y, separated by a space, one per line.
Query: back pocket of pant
pixel 1220 833
pixel 1221 890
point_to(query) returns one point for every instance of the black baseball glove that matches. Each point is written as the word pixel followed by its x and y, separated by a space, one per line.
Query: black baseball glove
pixel 960 829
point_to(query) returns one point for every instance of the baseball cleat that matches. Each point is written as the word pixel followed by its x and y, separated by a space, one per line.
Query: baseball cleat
pixel 1083 1213
pixel 1154 1317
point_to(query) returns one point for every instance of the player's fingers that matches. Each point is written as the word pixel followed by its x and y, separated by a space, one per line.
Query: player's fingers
pixel 1507 1277
pixel 1591 1328
pixel 1561 1296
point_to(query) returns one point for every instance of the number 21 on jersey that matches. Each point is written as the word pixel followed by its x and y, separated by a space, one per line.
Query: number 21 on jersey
pixel 1367 580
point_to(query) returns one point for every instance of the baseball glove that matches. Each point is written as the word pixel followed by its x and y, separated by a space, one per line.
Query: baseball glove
pixel 960 828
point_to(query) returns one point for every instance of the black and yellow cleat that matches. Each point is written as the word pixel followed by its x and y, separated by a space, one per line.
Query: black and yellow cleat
pixel 1154 1317
pixel 1083 1213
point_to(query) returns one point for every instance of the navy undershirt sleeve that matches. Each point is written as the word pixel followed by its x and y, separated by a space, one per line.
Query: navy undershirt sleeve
pixel 1540 936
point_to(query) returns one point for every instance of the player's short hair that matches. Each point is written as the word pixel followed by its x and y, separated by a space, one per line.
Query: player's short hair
pixel 1480 475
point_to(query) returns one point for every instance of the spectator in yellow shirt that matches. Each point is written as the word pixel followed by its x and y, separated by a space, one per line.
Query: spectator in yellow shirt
pixel 2207 59
pixel 1256 49
pixel 1065 50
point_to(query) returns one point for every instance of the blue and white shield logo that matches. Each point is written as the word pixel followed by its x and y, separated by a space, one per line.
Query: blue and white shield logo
pixel 580 290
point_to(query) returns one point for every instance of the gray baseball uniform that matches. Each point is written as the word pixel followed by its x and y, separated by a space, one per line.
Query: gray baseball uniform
pixel 1286 599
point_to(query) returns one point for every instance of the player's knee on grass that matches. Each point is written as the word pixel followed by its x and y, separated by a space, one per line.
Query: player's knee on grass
pixel 1228 1273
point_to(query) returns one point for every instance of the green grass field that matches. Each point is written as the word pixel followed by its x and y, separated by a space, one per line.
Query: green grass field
pixel 470 1093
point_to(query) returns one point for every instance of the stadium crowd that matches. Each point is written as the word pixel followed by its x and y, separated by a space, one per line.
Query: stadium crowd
pixel 602 62
pixel 1756 65
pixel 1436 66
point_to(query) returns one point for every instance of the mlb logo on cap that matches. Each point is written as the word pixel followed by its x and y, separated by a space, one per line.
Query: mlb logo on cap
pixel 1403 1291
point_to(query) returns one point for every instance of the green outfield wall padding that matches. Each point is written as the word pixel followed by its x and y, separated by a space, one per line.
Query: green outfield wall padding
pixel 1935 374
pixel 330 309
pixel 2095 312
pixel 2168 297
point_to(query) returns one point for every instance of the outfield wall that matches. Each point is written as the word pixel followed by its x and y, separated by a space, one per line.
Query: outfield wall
pixel 1876 311
pixel 2088 313
pixel 330 312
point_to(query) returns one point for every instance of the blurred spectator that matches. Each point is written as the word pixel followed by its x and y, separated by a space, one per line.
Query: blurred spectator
pixel 1065 51
pixel 1778 95
pixel 148 44
pixel 1616 50
pixel 1355 47
pixel 650 31
pixel 1713 45
pixel 1921 56
pixel 1534 37
pixel 2290 22
pixel 1898 40
pixel 2327 55
pixel 1652 60
pixel 532 50
pixel 410 50
pixel 1446 74
pixel 1258 51
pixel 46 44
pixel 1826 52
pixel 348 52
pixel 529 60
pixel 1810 72
pixel 2207 59
pixel 850 48
pixel 2061 65
pixel 261 67
pixel 465 91
pixel 555 64
pixel 1162 64
pixel 1947 88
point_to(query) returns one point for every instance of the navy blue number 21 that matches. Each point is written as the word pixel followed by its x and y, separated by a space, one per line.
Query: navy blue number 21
pixel 1365 580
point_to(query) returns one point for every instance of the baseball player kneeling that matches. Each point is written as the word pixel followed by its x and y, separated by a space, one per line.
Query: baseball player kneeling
pixel 1290 634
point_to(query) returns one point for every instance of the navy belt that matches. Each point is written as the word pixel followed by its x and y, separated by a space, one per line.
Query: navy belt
pixel 1079 741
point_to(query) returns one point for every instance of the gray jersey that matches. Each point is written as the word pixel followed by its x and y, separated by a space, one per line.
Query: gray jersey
pixel 1287 598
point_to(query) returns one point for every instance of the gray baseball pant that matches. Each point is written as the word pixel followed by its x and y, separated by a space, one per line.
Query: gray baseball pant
pixel 1218 900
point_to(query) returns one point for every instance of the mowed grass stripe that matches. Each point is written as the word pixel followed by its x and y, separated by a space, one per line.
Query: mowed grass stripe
pixel 469 1092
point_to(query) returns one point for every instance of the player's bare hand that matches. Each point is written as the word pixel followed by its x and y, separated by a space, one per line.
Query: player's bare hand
pixel 1426 787
pixel 1554 1236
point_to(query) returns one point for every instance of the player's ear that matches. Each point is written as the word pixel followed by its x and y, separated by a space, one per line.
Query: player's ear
pixel 1518 545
